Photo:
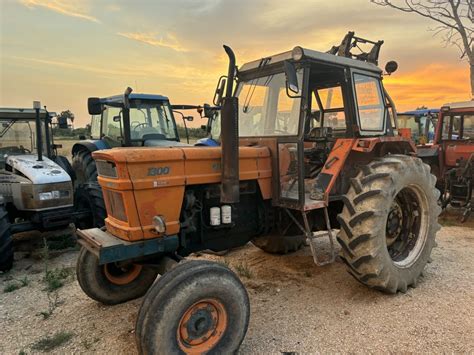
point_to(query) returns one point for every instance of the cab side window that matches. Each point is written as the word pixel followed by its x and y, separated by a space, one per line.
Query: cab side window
pixel 370 103
pixel 468 127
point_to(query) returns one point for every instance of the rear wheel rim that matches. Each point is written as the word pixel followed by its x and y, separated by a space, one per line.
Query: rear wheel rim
pixel 407 226
pixel 202 326
pixel 122 274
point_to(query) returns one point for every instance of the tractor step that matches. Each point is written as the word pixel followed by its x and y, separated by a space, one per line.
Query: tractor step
pixel 318 259
pixel 313 236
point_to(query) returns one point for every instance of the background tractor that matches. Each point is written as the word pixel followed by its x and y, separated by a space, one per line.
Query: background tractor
pixel 36 191
pixel 451 156
pixel 421 123
pixel 127 120
pixel 308 144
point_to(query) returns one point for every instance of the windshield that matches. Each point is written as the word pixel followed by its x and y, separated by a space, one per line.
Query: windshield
pixel 422 127
pixel 18 137
pixel 265 109
pixel 148 120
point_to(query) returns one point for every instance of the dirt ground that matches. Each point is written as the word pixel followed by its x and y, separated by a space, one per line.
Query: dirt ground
pixel 295 305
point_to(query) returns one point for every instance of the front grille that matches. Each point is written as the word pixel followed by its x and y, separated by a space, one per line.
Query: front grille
pixel 116 205
pixel 106 168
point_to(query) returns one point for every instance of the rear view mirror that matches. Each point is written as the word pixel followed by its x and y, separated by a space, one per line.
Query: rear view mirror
pixel 117 118
pixel 291 78
pixel 189 118
pixel 219 94
pixel 94 106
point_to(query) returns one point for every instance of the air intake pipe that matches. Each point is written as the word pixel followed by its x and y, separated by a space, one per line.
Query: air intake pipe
pixel 230 138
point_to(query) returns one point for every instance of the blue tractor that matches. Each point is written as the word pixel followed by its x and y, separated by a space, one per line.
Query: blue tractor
pixel 119 121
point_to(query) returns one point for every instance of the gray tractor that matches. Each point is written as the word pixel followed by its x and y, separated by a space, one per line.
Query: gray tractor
pixel 36 184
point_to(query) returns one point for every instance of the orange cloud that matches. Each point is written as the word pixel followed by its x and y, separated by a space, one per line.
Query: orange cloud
pixel 432 86
pixel 64 7
pixel 168 41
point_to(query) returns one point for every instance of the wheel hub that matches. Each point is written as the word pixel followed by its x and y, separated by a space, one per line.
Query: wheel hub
pixel 202 326
pixel 122 274
pixel 394 223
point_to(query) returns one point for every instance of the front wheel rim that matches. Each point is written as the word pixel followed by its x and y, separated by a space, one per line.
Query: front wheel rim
pixel 122 274
pixel 202 326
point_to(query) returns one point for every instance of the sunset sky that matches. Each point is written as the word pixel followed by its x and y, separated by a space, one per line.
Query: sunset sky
pixel 61 52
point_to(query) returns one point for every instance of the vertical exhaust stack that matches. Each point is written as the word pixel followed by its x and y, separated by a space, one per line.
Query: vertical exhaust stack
pixel 230 138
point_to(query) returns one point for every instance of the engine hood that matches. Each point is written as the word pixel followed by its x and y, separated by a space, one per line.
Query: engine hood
pixel 39 172
pixel 164 143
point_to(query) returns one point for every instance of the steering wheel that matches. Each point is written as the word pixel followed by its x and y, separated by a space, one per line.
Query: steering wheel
pixel 139 125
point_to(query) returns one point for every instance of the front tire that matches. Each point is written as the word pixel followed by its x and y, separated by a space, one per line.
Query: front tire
pixel 84 167
pixel 389 222
pixel 197 307
pixel 112 283
pixel 6 241
pixel 88 197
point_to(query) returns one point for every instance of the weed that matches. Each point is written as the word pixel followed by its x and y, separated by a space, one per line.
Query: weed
pixel 22 352
pixel 49 343
pixel 12 286
pixel 55 278
pixel 53 303
pixel 243 270
pixel 24 281
pixel 16 284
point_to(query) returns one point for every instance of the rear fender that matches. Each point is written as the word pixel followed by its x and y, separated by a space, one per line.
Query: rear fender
pixel 89 145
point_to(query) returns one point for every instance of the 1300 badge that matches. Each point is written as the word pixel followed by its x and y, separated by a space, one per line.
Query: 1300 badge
pixel 165 170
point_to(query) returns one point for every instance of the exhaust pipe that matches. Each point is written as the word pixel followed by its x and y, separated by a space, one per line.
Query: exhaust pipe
pixel 230 138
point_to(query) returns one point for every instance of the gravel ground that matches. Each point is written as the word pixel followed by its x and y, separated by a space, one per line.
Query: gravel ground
pixel 296 306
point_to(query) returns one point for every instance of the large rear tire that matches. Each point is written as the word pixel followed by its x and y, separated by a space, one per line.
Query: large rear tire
pixel 84 167
pixel 112 283
pixel 6 241
pixel 197 307
pixel 88 197
pixel 389 222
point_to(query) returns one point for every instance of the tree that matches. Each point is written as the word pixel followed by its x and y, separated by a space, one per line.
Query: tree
pixel 454 20
pixel 66 115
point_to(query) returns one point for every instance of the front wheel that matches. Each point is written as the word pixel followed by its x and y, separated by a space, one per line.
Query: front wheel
pixel 389 222
pixel 198 307
pixel 112 283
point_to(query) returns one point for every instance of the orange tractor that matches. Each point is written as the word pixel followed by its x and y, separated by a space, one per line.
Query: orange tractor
pixel 308 143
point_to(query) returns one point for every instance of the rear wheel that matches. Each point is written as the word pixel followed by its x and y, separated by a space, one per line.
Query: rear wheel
pixel 88 199
pixel 84 167
pixel 6 241
pixel 197 307
pixel 389 222
pixel 112 283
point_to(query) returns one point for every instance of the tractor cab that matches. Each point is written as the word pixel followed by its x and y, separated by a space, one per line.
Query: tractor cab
pixel 19 133
pixel 133 120
pixel 420 123
pixel 309 108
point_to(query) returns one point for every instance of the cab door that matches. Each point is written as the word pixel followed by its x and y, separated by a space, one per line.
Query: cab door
pixel 457 137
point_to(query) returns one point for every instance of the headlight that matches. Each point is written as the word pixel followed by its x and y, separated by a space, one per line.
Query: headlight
pixel 53 195
pixel 159 224
pixel 43 196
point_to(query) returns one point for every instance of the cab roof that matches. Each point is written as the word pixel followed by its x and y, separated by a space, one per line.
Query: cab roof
pixel 461 104
pixel 118 99
pixel 312 55
pixel 23 113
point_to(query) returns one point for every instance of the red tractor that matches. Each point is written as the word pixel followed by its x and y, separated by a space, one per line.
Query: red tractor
pixel 451 156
